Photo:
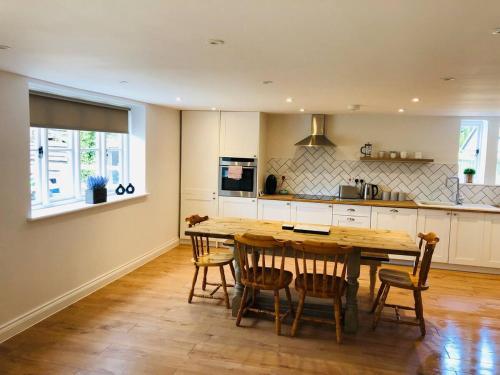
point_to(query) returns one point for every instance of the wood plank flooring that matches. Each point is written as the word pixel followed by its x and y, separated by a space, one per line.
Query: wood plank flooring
pixel 142 324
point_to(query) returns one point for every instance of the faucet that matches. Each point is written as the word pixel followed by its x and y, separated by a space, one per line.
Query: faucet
pixel 458 198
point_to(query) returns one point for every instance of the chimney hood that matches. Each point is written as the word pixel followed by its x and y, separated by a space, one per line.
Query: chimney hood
pixel 317 137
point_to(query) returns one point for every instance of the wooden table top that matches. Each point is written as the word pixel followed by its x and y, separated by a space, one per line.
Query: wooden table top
pixel 376 241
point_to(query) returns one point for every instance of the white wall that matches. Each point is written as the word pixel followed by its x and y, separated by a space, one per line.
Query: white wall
pixel 42 260
pixel 436 137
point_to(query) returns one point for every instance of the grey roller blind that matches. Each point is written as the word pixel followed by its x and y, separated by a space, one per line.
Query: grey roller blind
pixel 52 111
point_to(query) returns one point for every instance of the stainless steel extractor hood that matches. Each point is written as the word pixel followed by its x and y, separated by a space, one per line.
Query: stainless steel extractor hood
pixel 317 137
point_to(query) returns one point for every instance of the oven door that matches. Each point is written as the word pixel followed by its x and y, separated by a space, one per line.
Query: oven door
pixel 245 187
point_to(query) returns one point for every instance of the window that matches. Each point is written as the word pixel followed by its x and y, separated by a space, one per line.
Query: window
pixel 61 161
pixel 472 147
pixel 497 179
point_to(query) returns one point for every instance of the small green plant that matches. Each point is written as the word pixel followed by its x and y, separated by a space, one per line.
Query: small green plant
pixel 469 171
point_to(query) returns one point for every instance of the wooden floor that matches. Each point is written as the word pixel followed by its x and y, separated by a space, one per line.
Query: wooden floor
pixel 142 324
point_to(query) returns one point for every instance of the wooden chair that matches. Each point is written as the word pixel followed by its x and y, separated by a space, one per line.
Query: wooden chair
pixel 320 285
pixel 253 252
pixel 203 257
pixel 374 261
pixel 406 280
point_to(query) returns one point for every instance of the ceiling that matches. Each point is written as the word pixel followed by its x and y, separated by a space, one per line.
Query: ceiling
pixel 325 54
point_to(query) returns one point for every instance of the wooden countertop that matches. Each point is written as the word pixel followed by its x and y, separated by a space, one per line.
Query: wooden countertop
pixel 380 203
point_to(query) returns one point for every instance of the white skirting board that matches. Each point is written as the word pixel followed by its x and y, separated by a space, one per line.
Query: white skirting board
pixel 25 321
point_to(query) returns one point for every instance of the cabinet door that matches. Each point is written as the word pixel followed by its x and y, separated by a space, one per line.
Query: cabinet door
pixel 400 219
pixel 439 222
pixel 312 213
pixel 238 207
pixel 274 210
pixel 467 238
pixel 239 134
pixel 491 251
pixel 199 169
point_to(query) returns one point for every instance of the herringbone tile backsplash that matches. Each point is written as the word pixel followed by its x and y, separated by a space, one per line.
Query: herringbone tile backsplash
pixel 315 171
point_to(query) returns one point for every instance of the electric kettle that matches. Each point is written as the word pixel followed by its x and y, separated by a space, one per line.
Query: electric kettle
pixel 369 191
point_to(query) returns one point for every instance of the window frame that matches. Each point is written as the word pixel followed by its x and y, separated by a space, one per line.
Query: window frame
pixel 78 195
pixel 482 135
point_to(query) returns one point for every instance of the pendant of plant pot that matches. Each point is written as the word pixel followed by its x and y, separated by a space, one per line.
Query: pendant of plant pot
pixel 120 190
pixel 130 189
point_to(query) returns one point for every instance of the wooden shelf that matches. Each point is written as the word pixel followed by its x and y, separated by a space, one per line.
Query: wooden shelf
pixel 396 160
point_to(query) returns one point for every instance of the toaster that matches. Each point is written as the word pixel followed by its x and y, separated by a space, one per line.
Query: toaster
pixel 348 192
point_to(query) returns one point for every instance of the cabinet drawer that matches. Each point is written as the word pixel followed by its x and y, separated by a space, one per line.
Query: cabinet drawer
pixel 351 221
pixel 351 210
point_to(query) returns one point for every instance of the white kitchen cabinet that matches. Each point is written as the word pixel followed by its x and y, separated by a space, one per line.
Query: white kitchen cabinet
pixel 238 207
pixel 467 238
pixel 239 134
pixel 199 169
pixel 439 222
pixel 312 213
pixel 491 251
pixel 351 221
pixel 274 210
pixel 400 219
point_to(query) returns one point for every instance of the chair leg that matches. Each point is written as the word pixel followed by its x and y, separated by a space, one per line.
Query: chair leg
pixel 338 322
pixel 419 310
pixel 194 283
pixel 289 298
pixel 277 319
pixel 224 287
pixel 232 271
pixel 375 303
pixel 254 295
pixel 242 306
pixel 204 283
pixel 298 314
pixel 380 306
pixel 373 279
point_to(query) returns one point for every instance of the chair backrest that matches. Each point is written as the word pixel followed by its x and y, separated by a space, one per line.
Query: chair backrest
pixel 257 252
pixel 430 239
pixel 326 253
pixel 201 244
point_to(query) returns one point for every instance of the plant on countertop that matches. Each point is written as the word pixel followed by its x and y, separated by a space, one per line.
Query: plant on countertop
pixel 469 175
pixel 96 190
pixel 96 182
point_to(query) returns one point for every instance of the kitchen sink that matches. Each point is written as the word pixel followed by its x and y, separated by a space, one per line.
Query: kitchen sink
pixel 436 203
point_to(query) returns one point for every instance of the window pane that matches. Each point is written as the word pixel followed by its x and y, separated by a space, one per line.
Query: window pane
pixel 35 177
pixel 34 133
pixel 59 138
pixel 469 147
pixel 88 139
pixel 60 175
pixel 498 160
pixel 114 167
pixel 113 140
pixel 89 166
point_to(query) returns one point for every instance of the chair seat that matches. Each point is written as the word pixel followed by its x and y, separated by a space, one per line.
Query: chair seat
pixel 374 256
pixel 214 259
pixel 400 279
pixel 300 285
pixel 270 281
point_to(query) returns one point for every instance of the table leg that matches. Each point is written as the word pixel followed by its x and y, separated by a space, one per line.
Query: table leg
pixel 238 287
pixel 351 310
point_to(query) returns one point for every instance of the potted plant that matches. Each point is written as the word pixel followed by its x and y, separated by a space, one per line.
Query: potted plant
pixel 96 190
pixel 469 175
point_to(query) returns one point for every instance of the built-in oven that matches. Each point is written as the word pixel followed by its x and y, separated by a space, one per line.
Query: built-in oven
pixel 237 177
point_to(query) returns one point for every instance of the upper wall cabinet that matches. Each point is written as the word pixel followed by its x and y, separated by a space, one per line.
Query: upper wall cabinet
pixel 239 134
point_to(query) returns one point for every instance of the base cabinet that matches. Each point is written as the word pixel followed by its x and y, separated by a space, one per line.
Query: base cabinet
pixel 238 207
pixel 312 213
pixel 439 222
pixel 491 251
pixel 196 201
pixel 467 238
pixel 274 210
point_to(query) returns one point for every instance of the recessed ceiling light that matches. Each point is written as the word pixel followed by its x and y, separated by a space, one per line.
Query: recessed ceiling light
pixel 3 46
pixel 496 31
pixel 302 110
pixel 448 79
pixel 289 100
pixel 178 99
pixel 216 42
pixel 354 107
pixel 415 100
pixel 267 82
pixel 214 109
pixel 123 82
pixel 401 110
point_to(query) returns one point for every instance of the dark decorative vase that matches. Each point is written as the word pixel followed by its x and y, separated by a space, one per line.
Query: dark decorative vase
pixel 96 196
pixel 130 189
pixel 120 190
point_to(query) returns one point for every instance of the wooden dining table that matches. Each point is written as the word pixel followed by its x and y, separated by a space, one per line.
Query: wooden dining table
pixel 372 240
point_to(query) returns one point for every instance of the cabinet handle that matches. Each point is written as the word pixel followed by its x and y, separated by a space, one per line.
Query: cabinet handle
pixel 350 219
pixel 330 206
pixel 455 214
pixel 448 213
pixel 253 200
pixel 394 210
pixel 351 209
pixel 288 204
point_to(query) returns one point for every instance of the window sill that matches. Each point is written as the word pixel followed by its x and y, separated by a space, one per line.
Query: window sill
pixel 45 213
